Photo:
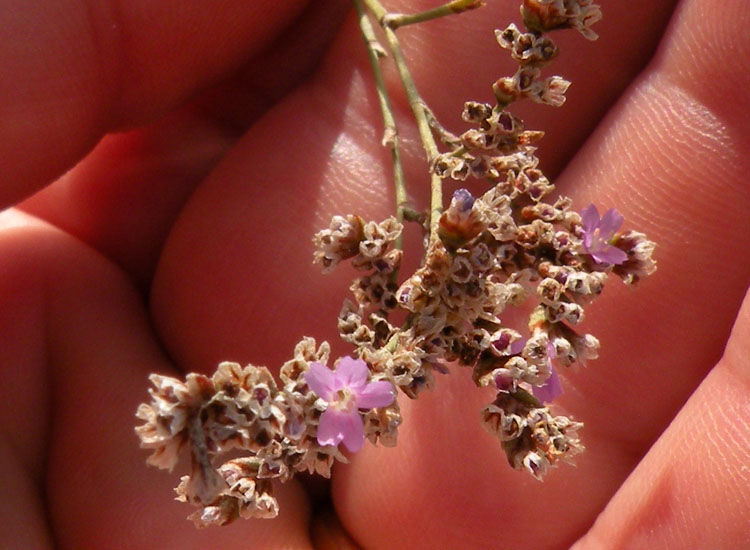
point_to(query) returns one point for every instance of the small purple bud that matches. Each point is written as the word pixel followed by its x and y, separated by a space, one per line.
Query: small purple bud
pixel 404 296
pixel 463 200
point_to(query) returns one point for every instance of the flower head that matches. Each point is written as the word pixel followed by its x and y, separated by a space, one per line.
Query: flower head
pixel 346 390
pixel 598 233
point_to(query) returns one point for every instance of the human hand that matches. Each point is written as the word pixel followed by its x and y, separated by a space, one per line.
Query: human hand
pixel 234 280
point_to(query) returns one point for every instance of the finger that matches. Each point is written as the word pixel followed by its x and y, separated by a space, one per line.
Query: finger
pixel 681 126
pixel 652 158
pixel 23 514
pixel 96 349
pixel 123 197
pixel 214 315
pixel 280 67
pixel 692 489
pixel 94 66
pixel 318 154
pixel 328 534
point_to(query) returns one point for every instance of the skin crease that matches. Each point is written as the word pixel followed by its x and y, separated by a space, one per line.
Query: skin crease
pixel 234 280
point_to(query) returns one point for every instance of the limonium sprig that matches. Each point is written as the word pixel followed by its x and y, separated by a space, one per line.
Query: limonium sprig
pixel 482 254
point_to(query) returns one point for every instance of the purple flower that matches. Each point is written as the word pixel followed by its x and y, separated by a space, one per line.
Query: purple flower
pixel 547 392
pixel 462 200
pixel 598 232
pixel 551 389
pixel 346 391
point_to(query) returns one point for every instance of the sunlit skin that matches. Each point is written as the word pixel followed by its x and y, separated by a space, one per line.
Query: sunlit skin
pixel 185 240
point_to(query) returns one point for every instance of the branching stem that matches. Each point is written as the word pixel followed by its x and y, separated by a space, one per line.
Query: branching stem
pixel 390 133
pixel 418 108
pixel 396 20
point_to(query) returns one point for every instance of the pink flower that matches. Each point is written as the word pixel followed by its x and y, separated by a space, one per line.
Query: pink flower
pixel 547 392
pixel 346 390
pixel 551 389
pixel 598 233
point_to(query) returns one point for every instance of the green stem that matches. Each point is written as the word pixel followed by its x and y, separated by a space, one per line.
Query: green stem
pixel 390 133
pixel 459 151
pixel 397 20
pixel 418 108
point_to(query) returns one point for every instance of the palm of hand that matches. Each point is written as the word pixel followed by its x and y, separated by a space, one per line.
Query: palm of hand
pixel 234 279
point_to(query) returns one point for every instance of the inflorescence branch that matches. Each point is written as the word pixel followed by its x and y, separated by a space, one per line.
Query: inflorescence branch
pixel 418 108
pixel 507 247
pixel 396 20
pixel 390 134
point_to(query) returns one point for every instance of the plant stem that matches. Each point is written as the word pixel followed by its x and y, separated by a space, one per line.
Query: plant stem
pixel 397 20
pixel 418 108
pixel 390 133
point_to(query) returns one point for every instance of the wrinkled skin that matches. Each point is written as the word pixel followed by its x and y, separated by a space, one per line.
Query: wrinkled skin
pixel 208 143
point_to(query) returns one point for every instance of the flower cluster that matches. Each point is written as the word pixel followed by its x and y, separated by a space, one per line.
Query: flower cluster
pixel 510 246
pixel 531 437
pixel 278 430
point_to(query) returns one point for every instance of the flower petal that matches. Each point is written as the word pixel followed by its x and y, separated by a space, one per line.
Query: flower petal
pixel 353 431
pixel 550 390
pixel 609 255
pixel 590 218
pixel 321 380
pixel 331 427
pixel 517 346
pixel 376 394
pixel 610 223
pixel 351 373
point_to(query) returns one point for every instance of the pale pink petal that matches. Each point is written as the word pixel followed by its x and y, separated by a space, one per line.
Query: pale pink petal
pixel 550 390
pixel 376 394
pixel 590 218
pixel 353 432
pixel 610 223
pixel 331 427
pixel 351 373
pixel 609 255
pixel 321 380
